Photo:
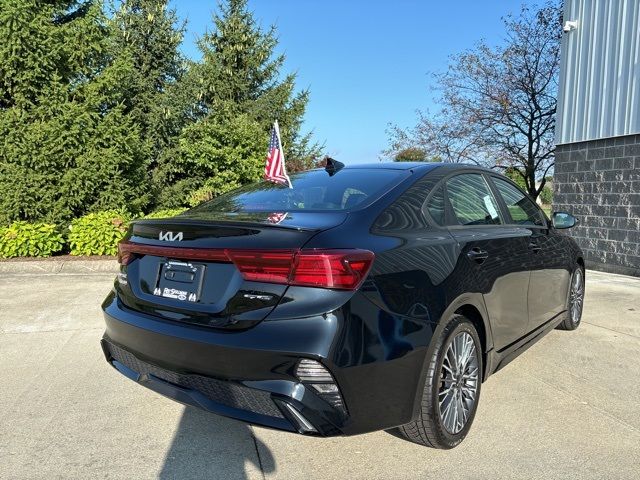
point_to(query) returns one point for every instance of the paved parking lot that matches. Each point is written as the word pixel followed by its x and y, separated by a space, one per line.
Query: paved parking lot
pixel 567 408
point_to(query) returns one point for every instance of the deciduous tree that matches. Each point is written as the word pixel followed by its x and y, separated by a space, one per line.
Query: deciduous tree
pixel 498 104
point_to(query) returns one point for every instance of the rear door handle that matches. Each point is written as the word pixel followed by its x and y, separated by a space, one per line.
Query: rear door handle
pixel 534 247
pixel 477 255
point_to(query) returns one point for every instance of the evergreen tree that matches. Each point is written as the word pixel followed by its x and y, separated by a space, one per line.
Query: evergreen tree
pixel 148 34
pixel 68 145
pixel 41 41
pixel 239 92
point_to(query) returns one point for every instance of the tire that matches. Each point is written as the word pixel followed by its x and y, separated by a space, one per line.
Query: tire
pixel 432 429
pixel 575 300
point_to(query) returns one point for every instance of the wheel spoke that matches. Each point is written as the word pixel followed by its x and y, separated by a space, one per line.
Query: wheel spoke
pixel 473 373
pixel 459 382
pixel 465 412
pixel 445 392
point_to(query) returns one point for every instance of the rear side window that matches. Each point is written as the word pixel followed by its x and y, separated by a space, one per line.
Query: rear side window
pixel 435 205
pixel 521 209
pixel 472 200
pixel 314 190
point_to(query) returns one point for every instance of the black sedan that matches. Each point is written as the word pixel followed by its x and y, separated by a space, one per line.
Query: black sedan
pixel 366 297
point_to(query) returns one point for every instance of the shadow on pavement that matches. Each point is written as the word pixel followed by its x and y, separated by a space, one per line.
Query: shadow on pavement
pixel 213 447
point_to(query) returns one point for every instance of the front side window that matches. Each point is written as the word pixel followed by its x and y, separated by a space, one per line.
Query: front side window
pixel 472 200
pixel 522 210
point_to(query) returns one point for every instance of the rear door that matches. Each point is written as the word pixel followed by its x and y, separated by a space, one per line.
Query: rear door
pixel 549 281
pixel 496 253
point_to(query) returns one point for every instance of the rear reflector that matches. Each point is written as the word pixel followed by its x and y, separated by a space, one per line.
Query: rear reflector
pixel 312 371
pixel 315 375
pixel 338 269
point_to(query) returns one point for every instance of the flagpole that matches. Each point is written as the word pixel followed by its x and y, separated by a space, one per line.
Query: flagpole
pixel 284 170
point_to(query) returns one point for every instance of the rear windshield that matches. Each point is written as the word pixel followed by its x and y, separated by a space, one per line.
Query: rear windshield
pixel 312 190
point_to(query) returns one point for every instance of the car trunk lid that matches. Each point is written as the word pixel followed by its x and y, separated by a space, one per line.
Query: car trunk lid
pixel 183 269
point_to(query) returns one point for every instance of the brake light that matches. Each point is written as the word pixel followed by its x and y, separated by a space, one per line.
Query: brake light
pixel 125 255
pixel 263 265
pixel 338 269
pixel 342 269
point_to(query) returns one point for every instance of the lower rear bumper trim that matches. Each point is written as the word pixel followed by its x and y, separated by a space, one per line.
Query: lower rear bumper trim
pixel 194 398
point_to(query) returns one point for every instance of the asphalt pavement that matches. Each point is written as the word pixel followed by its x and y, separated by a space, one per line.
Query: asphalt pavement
pixel 567 408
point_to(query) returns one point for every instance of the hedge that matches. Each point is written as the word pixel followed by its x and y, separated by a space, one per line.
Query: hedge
pixel 98 233
pixel 93 234
pixel 165 213
pixel 23 239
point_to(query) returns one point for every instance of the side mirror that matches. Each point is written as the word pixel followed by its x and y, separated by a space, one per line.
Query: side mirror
pixel 563 220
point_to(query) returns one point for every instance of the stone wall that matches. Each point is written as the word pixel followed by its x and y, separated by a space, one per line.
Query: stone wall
pixel 599 182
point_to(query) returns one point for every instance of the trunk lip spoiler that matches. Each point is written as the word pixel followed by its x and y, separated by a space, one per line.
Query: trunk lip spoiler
pixel 163 222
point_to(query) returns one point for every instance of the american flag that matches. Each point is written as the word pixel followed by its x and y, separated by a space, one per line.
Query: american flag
pixel 276 217
pixel 274 171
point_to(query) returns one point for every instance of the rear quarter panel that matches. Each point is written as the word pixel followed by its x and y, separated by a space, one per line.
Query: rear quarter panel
pixel 385 329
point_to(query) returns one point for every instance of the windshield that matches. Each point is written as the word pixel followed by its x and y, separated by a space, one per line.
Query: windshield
pixel 313 190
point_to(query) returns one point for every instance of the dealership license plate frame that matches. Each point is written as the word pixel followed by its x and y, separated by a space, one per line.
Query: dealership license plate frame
pixel 181 281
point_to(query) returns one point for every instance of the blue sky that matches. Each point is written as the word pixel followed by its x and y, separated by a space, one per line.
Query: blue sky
pixel 366 62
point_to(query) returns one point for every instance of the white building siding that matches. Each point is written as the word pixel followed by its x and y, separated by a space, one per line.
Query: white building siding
pixel 599 90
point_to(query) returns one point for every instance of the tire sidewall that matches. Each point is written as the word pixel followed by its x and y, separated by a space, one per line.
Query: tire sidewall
pixel 458 325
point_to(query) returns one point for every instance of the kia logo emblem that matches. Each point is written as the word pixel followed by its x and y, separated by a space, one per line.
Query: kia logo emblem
pixel 170 236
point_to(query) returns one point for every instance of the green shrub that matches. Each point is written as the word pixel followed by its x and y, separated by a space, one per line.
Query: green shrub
pixel 546 195
pixel 98 233
pixel 512 173
pixel 411 154
pixel 23 239
pixel 165 213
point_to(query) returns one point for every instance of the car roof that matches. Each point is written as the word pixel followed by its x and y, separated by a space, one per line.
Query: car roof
pixel 420 166
pixel 391 165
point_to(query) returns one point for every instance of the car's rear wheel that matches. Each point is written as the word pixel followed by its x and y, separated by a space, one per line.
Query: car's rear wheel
pixel 575 300
pixel 451 390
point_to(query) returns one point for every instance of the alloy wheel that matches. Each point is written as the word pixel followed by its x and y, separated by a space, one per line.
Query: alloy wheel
pixel 576 296
pixel 459 382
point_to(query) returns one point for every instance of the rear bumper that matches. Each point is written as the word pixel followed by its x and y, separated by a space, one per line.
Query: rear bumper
pixel 260 403
pixel 249 375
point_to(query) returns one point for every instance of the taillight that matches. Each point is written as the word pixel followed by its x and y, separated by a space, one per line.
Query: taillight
pixel 127 251
pixel 125 256
pixel 338 269
pixel 342 269
pixel 263 265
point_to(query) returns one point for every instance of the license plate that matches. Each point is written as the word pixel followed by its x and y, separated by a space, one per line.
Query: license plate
pixel 180 281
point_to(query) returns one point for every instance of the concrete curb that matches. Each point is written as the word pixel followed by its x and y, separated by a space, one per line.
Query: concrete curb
pixel 61 266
